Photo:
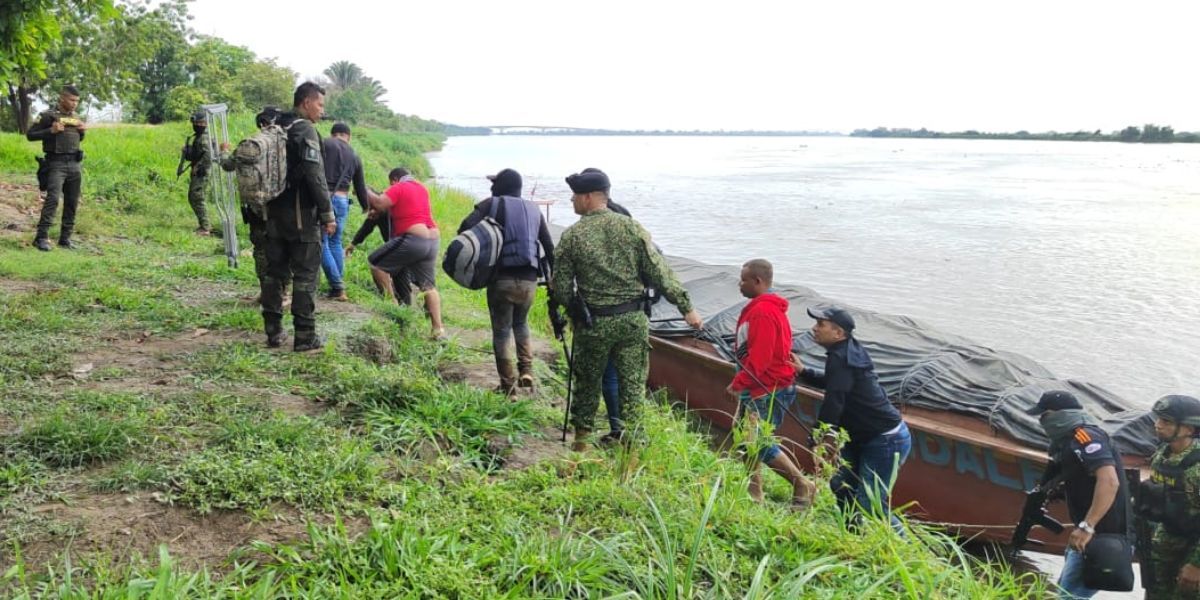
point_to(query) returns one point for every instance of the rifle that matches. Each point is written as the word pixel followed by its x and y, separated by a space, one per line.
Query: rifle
pixel 1140 493
pixel 559 323
pixel 184 163
pixel 1035 513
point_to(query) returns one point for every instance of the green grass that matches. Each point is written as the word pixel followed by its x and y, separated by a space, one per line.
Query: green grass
pixel 372 435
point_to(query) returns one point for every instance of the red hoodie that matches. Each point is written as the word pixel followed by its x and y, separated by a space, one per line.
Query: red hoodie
pixel 764 345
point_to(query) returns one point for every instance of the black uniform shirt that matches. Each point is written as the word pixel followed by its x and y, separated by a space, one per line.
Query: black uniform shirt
pixel 64 142
pixel 1089 449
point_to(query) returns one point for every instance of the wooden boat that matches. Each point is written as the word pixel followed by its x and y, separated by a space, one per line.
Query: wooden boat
pixel 961 474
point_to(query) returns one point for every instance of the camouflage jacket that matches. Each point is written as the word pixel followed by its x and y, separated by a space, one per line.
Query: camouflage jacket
pixel 64 142
pixel 612 260
pixel 1191 484
pixel 201 156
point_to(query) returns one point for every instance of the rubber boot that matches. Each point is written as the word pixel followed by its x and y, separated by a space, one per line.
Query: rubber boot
pixel 583 440
pixel 508 377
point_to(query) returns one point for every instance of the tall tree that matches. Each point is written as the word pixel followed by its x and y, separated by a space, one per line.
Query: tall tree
pixel 344 74
pixel 29 31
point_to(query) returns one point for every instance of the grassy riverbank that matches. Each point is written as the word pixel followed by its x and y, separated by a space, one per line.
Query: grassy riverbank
pixel 151 446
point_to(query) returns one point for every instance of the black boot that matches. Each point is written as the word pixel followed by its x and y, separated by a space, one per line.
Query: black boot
pixel 42 244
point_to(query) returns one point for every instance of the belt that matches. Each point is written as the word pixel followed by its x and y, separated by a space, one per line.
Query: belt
pixel 617 309
pixel 61 156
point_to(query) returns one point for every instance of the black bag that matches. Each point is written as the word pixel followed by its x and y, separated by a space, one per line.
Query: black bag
pixel 1108 563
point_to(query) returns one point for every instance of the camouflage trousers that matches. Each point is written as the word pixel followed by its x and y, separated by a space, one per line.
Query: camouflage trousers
pixel 1168 553
pixel 258 240
pixel 624 338
pixel 196 189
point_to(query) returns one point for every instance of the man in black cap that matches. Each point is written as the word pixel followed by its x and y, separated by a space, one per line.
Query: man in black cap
pixel 510 293
pixel 879 440
pixel 201 158
pixel 1093 481
pixel 604 262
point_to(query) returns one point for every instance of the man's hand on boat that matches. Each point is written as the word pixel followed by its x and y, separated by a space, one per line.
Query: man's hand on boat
pixel 1189 578
pixel 693 319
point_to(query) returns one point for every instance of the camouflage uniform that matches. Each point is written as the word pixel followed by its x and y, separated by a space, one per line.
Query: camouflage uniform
pixel 611 260
pixel 64 177
pixel 201 160
pixel 1170 552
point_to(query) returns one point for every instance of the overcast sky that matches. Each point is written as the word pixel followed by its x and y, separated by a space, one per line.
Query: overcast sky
pixel 654 64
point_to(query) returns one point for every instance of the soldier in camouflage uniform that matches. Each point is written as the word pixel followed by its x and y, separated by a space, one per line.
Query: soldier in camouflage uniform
pixel 255 218
pixel 201 158
pixel 1172 500
pixel 294 223
pixel 60 175
pixel 605 262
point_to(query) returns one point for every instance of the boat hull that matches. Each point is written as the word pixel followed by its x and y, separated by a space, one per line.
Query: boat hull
pixel 960 475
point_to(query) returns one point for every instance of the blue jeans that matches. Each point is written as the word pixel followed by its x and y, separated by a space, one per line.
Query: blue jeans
pixel 333 258
pixel 770 408
pixel 1070 581
pixel 612 402
pixel 868 471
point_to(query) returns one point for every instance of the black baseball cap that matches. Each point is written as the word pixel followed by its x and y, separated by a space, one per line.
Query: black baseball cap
pixel 339 127
pixel 834 314
pixel 1055 400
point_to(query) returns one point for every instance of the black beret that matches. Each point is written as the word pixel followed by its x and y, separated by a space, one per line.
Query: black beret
pixel 590 180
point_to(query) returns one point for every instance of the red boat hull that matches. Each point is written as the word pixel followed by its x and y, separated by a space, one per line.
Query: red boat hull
pixel 961 474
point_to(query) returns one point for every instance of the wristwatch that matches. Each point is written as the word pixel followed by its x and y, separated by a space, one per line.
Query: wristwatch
pixel 1083 525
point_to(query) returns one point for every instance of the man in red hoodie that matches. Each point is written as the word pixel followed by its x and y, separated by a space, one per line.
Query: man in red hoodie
pixel 765 384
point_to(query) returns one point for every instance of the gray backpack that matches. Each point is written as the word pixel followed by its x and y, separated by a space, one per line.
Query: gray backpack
pixel 261 165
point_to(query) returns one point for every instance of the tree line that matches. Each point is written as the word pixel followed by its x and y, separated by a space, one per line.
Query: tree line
pixel 1147 134
pixel 143 57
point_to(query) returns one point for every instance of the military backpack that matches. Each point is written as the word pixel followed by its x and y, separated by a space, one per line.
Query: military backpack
pixel 261 166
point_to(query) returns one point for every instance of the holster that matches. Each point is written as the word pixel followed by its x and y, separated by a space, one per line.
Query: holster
pixel 43 173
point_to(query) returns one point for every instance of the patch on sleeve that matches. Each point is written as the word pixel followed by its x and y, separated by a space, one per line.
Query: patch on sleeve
pixel 1093 448
pixel 312 151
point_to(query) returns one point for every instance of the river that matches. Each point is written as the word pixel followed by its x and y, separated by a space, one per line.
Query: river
pixel 1082 256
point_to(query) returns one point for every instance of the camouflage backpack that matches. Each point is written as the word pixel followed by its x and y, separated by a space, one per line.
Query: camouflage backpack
pixel 261 165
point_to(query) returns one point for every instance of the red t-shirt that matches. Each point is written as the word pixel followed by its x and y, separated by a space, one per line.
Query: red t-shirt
pixel 410 206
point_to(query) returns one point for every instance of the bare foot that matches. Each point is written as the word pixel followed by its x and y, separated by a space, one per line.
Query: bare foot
pixel 755 487
pixel 803 494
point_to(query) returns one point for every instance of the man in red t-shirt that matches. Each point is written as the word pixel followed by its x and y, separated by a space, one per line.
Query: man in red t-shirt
pixel 765 382
pixel 410 257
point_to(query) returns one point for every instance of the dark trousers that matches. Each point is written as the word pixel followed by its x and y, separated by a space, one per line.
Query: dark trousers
pixel 509 301
pixel 258 239
pixel 302 262
pixel 64 178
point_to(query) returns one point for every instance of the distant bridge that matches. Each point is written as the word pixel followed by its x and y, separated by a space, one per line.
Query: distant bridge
pixel 502 129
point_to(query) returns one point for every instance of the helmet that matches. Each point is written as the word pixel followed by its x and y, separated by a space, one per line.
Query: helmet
pixel 200 117
pixel 1178 408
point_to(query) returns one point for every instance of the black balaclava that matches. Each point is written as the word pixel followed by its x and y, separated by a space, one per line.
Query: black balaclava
pixel 506 183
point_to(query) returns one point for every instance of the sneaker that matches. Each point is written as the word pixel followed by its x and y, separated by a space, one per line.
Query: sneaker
pixel 42 244
pixel 309 345
pixel 338 295
pixel 68 244
pixel 276 340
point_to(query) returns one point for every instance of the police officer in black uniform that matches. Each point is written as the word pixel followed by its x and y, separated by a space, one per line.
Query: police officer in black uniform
pixel 294 224
pixel 60 132
pixel 1093 481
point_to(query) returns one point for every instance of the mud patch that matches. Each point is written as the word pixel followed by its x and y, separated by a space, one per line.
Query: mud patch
pixel 119 527
pixel 532 449
pixel 19 207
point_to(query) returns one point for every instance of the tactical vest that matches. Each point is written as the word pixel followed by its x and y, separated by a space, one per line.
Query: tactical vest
pixel 64 142
pixel 1163 499
pixel 521 221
